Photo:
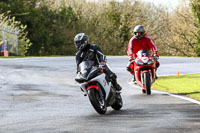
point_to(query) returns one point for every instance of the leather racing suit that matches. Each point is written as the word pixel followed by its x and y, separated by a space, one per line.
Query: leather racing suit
pixel 136 45
pixel 93 52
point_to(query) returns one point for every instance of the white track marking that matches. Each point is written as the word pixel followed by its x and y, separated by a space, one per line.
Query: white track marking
pixel 170 94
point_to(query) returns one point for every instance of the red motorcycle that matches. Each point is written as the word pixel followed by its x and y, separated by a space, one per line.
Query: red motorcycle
pixel 144 70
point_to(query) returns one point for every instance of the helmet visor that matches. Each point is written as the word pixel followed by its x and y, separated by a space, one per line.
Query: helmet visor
pixel 138 33
pixel 78 44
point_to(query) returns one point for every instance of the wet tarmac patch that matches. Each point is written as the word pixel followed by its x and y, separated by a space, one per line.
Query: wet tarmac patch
pixel 30 92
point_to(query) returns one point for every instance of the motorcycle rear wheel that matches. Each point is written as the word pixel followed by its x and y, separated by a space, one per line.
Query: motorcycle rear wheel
pixel 97 102
pixel 117 105
pixel 147 83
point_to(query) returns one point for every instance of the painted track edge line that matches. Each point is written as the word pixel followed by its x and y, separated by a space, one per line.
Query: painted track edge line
pixel 170 94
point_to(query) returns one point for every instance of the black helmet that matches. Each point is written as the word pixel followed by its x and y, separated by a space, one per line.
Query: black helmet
pixel 139 31
pixel 81 40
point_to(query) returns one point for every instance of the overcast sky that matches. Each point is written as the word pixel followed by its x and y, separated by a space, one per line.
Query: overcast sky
pixel 168 3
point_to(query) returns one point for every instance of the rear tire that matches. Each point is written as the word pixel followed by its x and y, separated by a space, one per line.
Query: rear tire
pixel 97 102
pixel 117 105
pixel 147 83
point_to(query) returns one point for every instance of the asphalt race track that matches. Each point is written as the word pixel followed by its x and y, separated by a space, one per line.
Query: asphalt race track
pixel 39 95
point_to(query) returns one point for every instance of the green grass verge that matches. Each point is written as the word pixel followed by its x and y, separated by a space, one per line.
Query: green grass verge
pixel 187 85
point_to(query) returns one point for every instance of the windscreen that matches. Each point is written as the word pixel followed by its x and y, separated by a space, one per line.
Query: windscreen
pixel 85 68
pixel 143 53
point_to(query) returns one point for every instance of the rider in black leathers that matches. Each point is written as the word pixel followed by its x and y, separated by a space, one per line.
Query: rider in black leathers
pixel 92 52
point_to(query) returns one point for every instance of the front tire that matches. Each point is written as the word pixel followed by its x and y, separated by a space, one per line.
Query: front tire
pixel 117 105
pixel 147 83
pixel 97 102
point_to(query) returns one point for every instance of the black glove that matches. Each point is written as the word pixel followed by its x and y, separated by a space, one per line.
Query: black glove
pixel 128 69
pixel 156 57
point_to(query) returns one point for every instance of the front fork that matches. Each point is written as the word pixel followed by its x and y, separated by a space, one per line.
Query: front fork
pixel 140 77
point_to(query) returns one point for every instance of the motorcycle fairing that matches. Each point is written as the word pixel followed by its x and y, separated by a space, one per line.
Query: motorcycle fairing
pixel 102 81
pixel 87 71
pixel 93 86
pixel 144 63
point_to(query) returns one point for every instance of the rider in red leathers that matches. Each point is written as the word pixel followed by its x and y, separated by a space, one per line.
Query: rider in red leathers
pixel 140 41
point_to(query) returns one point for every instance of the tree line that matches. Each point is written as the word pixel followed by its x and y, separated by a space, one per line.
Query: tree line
pixel 51 26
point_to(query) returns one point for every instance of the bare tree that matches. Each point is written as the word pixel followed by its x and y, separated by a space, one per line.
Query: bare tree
pixel 183 32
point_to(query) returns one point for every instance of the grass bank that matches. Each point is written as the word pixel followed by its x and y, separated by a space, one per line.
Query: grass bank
pixel 187 85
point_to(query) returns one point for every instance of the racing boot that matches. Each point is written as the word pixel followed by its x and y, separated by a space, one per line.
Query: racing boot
pixel 157 65
pixel 156 77
pixel 116 85
pixel 143 90
pixel 133 80
pixel 128 68
pixel 114 82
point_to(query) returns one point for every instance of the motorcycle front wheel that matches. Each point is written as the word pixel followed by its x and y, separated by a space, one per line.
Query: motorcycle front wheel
pixel 147 83
pixel 97 101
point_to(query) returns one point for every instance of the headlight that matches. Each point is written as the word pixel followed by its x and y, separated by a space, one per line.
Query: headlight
pixel 139 63
pixel 150 62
